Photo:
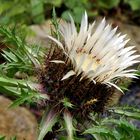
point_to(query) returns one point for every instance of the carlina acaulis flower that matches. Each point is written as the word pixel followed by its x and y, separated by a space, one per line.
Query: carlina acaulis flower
pixel 84 66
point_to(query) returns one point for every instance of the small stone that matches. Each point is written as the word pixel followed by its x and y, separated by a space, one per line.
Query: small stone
pixel 17 122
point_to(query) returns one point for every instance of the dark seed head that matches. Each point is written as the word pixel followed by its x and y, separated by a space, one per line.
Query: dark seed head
pixel 84 95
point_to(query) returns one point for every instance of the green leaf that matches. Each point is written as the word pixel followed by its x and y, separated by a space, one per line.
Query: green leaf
pixel 56 3
pixel 135 4
pixel 4 6
pixel 9 56
pixel 27 95
pixel 22 99
pixel 76 14
pixel 9 13
pixel 10 91
pixel 121 122
pixel 48 120
pixel 69 125
pixel 2 137
pixel 37 10
pixel 55 24
pixel 101 130
pixel 65 15
pixel 20 56
pixel 17 10
pixel 11 82
pixel 108 4
pixel 5 81
pixel 67 103
pixel 122 128
pixel 72 4
pixel 132 113
pixel 26 91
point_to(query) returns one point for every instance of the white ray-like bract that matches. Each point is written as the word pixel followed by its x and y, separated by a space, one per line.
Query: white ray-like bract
pixel 97 52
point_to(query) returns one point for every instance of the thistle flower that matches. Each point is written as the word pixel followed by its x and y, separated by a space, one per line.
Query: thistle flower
pixel 97 53
pixel 85 66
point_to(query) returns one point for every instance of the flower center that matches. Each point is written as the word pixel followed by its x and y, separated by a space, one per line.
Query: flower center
pixel 86 61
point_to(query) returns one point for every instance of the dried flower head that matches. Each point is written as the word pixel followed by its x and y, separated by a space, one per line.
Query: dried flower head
pixel 85 66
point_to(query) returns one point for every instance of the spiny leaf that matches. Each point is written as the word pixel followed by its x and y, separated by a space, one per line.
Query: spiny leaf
pixel 11 91
pixel 99 130
pixel 48 120
pixel 69 126
pixel 23 51
pixel 27 95
pixel 55 24
pixel 5 81
pixel 124 111
pixel 23 89
pixel 67 103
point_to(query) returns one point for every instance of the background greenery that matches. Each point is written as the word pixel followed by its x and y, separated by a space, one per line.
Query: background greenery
pixel 36 11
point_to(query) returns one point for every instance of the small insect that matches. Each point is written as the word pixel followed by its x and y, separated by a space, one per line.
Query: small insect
pixel 91 102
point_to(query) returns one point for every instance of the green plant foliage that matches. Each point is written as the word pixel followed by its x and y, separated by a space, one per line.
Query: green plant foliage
pixel 56 3
pixel 75 8
pixel 55 24
pixel 37 11
pixel 67 103
pixel 134 4
pixel 4 138
pixel 23 90
pixel 47 122
pixel 26 96
pixel 76 13
pixel 11 13
pixel 25 11
pixel 19 56
pixel 101 130
pixel 108 4
pixel 138 72
pixel 114 129
pixel 127 111
pixel 69 125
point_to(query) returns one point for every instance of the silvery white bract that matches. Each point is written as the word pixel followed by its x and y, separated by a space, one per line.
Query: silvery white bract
pixel 96 52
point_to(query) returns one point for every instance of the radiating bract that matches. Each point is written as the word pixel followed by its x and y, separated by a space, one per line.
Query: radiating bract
pixel 96 52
